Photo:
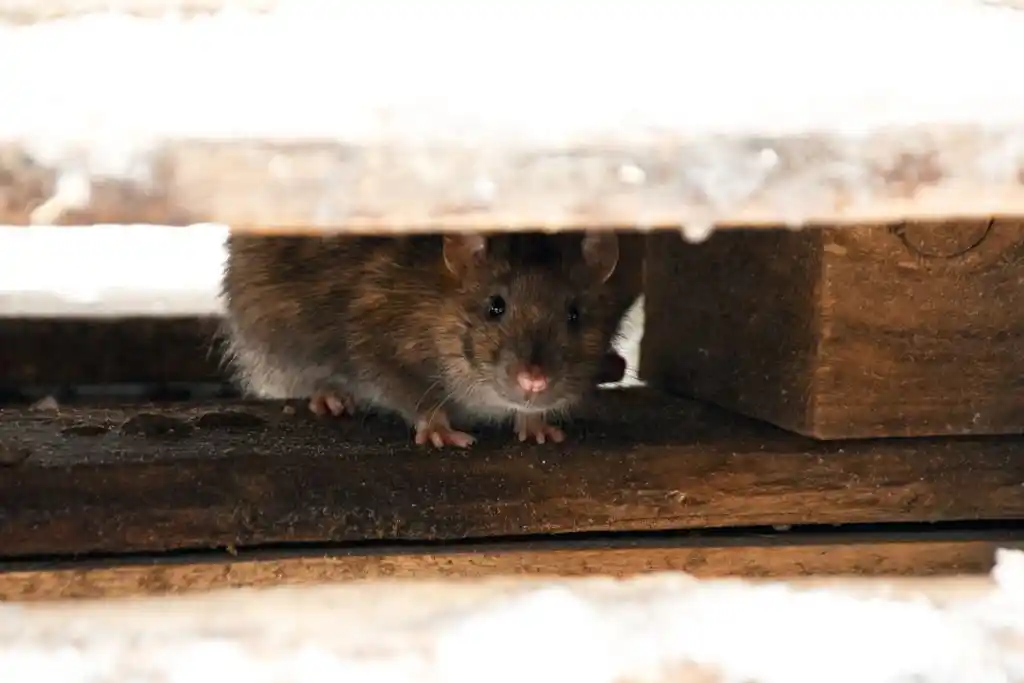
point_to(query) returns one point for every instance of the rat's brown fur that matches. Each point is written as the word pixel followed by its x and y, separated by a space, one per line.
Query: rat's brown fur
pixel 385 321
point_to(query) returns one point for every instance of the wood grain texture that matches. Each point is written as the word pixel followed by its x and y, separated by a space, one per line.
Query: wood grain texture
pixel 910 330
pixel 205 476
pixel 444 142
pixel 732 320
pixel 764 556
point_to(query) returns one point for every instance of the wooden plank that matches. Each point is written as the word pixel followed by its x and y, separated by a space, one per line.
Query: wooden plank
pixel 448 141
pixel 664 628
pixel 201 476
pixel 872 331
pixel 756 327
pixel 126 350
pixel 780 555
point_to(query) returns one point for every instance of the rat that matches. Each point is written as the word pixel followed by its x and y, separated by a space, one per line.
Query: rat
pixel 438 328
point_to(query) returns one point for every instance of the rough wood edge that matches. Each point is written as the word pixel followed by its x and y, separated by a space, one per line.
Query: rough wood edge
pixel 667 628
pixel 781 556
pixel 233 183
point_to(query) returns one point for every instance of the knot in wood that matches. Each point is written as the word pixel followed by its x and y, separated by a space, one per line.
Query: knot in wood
pixel 12 454
pixel 86 429
pixel 156 425
pixel 948 240
pixel 229 419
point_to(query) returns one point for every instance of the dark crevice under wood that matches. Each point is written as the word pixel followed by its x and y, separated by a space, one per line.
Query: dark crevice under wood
pixel 723 537
pixel 73 351
pixel 113 480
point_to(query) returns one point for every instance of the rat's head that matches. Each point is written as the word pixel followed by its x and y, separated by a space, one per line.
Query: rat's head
pixel 534 323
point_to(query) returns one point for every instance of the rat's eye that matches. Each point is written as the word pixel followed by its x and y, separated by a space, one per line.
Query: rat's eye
pixel 573 314
pixel 495 307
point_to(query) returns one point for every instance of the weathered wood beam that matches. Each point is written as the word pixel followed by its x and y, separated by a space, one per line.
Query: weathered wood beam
pixel 780 555
pixel 860 332
pixel 218 475
pixel 311 116
pixel 665 628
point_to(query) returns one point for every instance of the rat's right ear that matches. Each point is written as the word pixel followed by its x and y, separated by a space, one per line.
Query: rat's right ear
pixel 462 251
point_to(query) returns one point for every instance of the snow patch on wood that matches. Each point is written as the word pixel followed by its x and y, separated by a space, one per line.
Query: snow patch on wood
pixel 444 110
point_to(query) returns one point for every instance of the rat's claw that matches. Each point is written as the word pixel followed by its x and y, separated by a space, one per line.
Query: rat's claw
pixel 327 403
pixel 440 434
pixel 441 437
pixel 534 427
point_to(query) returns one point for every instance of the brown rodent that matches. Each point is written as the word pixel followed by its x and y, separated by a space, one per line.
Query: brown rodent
pixel 462 328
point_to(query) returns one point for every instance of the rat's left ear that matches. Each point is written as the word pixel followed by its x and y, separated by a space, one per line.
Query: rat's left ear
pixel 601 254
pixel 462 251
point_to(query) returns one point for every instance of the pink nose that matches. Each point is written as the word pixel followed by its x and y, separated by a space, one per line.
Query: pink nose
pixel 532 380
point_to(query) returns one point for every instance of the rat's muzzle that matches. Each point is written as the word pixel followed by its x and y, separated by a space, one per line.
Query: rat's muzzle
pixel 530 386
pixel 532 380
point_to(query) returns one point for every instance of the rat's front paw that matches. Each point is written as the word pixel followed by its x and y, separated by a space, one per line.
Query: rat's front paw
pixel 437 431
pixel 533 426
pixel 324 403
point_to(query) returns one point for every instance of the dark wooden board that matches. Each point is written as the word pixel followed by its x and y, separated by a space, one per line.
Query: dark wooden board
pixel 860 332
pixel 205 476
pixel 731 321
pixel 67 351
pixel 749 556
